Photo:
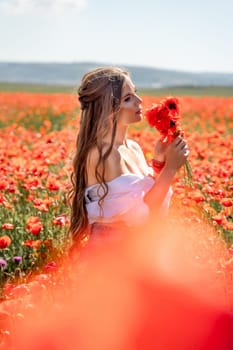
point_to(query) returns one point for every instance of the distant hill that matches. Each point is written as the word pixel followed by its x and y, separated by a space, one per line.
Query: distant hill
pixel 71 73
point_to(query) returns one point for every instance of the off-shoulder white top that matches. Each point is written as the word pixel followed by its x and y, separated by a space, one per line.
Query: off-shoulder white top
pixel 124 201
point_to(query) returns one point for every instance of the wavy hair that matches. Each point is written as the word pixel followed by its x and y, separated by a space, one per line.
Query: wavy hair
pixel 100 95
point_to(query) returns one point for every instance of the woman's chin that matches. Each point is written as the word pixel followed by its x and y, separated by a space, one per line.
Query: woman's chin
pixel 139 116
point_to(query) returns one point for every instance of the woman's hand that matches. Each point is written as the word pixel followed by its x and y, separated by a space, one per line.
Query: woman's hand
pixel 176 153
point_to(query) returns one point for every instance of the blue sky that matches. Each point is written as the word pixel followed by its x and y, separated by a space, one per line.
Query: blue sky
pixel 194 35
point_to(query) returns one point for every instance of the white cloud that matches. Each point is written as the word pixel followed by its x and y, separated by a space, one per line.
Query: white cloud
pixel 46 6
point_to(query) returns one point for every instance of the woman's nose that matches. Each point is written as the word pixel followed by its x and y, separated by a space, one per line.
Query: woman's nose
pixel 139 99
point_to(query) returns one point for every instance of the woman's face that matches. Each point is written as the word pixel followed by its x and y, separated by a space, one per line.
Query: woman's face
pixel 130 107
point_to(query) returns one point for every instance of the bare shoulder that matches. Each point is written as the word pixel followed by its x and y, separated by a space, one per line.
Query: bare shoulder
pixel 139 152
pixel 134 145
pixel 94 156
pixel 112 164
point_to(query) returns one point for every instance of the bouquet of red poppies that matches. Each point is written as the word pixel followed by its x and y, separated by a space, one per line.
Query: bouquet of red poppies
pixel 165 117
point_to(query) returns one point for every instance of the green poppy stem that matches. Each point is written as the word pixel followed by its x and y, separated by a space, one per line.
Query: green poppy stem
pixel 188 177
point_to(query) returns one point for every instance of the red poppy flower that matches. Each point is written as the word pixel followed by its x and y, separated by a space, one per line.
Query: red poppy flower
pixel 35 228
pixel 33 225
pixel 4 184
pixel 32 244
pixel 165 118
pixel 198 197
pixel 5 241
pixel 51 266
pixel 7 226
pixel 32 220
pixel 172 103
pixel 226 202
pixel 60 220
pixel 218 218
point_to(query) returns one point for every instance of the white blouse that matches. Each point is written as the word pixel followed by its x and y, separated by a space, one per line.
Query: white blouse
pixel 124 201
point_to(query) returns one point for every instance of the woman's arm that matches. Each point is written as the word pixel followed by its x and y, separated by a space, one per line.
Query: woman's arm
pixel 175 156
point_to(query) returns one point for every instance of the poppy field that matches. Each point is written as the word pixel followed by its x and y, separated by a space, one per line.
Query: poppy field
pixel 38 133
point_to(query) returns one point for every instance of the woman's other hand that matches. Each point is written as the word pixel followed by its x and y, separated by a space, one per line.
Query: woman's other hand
pixel 176 153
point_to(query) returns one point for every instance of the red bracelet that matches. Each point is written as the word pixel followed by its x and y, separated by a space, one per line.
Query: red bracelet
pixel 157 165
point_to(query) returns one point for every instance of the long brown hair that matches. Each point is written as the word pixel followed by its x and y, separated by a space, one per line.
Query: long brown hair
pixel 99 94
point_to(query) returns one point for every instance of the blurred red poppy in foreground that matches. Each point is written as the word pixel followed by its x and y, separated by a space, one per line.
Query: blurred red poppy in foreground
pixel 144 292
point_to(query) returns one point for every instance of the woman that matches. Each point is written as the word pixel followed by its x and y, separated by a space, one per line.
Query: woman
pixel 113 186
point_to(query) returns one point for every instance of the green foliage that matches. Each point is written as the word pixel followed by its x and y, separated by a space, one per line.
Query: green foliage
pixel 226 91
pixel 36 88
pixel 199 91
pixel 52 238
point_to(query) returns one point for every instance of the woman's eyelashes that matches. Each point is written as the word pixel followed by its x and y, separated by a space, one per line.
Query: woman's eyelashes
pixel 129 96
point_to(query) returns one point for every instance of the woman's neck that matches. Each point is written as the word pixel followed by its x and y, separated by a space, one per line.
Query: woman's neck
pixel 120 137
